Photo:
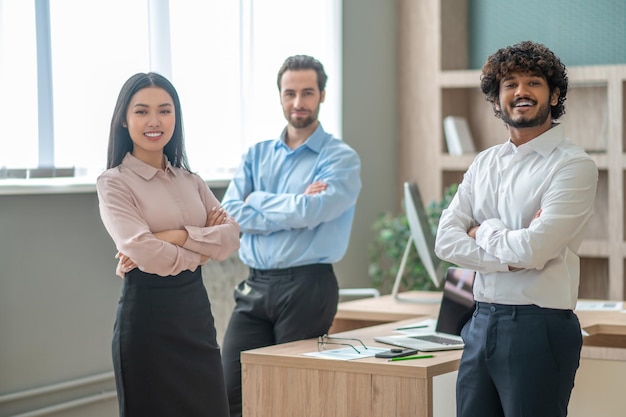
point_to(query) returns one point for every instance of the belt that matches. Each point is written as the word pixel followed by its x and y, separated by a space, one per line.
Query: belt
pixel 487 308
pixel 315 268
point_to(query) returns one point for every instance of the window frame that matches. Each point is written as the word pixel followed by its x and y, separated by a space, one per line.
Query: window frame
pixel 46 174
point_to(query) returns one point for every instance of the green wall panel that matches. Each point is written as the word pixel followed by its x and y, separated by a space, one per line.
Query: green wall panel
pixel 580 32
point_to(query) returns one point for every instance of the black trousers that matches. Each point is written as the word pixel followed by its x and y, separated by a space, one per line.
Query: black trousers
pixel 518 361
pixel 165 353
pixel 276 306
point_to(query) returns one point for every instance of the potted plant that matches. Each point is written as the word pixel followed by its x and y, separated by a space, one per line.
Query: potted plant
pixel 386 250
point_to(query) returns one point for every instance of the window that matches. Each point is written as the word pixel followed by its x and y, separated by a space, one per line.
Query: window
pixel 222 56
pixel 91 59
pixel 18 84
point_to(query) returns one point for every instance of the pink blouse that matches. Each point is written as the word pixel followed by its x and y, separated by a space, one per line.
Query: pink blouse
pixel 137 200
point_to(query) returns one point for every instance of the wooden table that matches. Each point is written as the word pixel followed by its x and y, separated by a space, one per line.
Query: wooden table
pixel 601 377
pixel 279 381
pixel 606 329
pixel 366 312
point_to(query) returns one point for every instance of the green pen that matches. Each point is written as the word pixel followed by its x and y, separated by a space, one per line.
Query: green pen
pixel 406 358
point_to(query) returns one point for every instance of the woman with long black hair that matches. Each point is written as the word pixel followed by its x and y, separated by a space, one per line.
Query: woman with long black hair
pixel 165 223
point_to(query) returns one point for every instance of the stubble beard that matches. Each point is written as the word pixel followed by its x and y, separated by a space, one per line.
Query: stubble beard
pixel 302 123
pixel 538 120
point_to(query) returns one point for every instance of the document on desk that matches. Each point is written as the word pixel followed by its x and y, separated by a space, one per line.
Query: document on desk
pixel 346 354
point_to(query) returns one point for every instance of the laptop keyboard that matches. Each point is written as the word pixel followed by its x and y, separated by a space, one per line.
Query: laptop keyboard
pixel 437 339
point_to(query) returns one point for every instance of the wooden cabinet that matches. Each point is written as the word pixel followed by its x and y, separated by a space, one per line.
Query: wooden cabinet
pixel 433 82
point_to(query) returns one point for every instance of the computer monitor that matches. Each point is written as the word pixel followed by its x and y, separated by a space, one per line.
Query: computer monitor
pixel 423 239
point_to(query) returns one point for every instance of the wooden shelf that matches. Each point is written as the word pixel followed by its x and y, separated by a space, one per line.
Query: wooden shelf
pixel 456 163
pixel 592 248
pixel 459 79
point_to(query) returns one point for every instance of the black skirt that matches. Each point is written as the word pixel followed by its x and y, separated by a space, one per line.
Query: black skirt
pixel 165 353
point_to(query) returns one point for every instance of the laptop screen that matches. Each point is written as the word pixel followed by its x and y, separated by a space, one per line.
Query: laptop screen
pixel 457 303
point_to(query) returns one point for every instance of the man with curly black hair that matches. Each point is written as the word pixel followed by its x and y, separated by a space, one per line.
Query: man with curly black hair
pixel 518 219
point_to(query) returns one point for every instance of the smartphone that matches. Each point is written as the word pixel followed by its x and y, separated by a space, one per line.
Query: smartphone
pixel 396 353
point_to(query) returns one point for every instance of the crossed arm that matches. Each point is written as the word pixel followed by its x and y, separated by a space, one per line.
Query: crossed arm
pixel 178 237
pixel 215 217
pixel 472 233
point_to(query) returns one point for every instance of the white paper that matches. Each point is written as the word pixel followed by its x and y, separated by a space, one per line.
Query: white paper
pixel 346 354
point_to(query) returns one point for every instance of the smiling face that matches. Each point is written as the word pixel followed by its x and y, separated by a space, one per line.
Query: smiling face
pixel 525 101
pixel 300 97
pixel 150 119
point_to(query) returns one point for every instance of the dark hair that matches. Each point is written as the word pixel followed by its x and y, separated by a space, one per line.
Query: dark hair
pixel 528 58
pixel 303 62
pixel 119 138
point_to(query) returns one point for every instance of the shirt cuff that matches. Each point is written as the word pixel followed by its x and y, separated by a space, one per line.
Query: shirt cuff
pixel 199 237
pixel 486 229
pixel 255 199
pixel 190 258
pixel 484 236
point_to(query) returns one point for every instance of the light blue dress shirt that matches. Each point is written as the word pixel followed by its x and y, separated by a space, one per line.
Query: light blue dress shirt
pixel 281 227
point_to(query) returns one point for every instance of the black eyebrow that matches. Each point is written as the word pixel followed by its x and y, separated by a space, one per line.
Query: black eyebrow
pixel 160 105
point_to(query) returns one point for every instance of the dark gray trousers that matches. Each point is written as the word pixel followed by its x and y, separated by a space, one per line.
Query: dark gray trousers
pixel 276 306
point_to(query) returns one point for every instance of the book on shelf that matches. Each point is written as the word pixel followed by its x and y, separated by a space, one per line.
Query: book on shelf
pixel 458 135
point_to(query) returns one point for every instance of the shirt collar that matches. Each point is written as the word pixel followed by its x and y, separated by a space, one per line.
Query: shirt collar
pixel 314 142
pixel 507 148
pixel 144 170
pixel 543 144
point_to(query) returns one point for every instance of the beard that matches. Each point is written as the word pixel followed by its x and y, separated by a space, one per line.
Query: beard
pixel 542 114
pixel 301 123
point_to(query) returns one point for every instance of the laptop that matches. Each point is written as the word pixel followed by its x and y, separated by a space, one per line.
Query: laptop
pixel 457 306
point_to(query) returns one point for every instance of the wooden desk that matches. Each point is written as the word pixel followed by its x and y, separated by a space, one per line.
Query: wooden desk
pixel 607 329
pixel 600 378
pixel 279 381
pixel 366 312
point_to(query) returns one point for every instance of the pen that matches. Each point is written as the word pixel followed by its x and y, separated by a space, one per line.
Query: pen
pixel 406 358
pixel 412 327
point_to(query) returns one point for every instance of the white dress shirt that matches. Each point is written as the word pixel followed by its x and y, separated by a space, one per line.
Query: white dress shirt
pixel 502 191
